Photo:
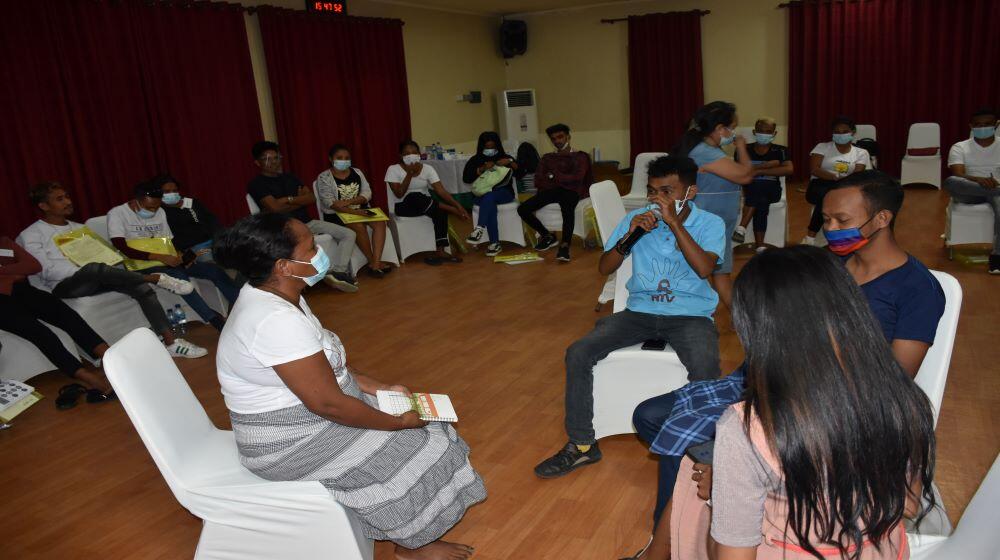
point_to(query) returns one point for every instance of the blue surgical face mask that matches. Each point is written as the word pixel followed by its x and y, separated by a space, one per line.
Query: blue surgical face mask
pixel 341 164
pixel 984 132
pixel 763 138
pixel 844 138
pixel 489 152
pixel 727 140
pixel 320 262
pixel 171 198
pixel 145 214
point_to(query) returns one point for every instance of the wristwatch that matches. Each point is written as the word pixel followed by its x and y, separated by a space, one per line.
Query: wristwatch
pixel 618 247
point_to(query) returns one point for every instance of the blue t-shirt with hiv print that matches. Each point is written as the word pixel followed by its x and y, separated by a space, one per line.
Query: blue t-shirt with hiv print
pixel 662 282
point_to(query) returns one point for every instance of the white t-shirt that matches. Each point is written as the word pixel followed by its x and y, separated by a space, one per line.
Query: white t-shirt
pixel 978 161
pixel 832 158
pixel 124 222
pixel 421 183
pixel 262 331
pixel 37 240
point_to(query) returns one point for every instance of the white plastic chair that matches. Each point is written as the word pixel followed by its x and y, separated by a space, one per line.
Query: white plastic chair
pixel 509 223
pixel 777 220
pixel 933 373
pixel 244 516
pixel 922 169
pixel 413 235
pixel 628 376
pixel 252 205
pixel 551 217
pixel 863 131
pixel 605 195
pixel 358 259
pixel 636 196
pixel 976 536
pixel 967 224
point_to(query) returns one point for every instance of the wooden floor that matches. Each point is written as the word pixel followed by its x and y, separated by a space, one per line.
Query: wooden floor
pixel 80 484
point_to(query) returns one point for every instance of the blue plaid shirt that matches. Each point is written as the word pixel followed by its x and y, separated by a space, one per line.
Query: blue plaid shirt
pixel 698 408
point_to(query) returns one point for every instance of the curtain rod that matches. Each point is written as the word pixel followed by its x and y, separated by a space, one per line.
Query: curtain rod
pixel 254 9
pixel 797 2
pixel 699 12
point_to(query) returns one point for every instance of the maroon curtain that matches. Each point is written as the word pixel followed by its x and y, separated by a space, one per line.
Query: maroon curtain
pixel 664 78
pixel 890 63
pixel 337 80
pixel 100 95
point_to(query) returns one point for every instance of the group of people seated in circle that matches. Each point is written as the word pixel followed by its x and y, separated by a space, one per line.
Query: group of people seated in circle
pixel 823 447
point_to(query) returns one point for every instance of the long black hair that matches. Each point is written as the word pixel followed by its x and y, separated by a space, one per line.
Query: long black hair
pixel 702 124
pixel 486 137
pixel 849 427
pixel 254 244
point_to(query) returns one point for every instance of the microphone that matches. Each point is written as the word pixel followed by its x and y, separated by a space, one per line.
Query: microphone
pixel 625 246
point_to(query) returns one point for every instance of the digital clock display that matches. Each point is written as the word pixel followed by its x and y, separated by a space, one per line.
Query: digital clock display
pixel 327 7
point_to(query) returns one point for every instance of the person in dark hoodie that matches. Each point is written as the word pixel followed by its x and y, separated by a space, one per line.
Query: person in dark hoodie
pixel 490 154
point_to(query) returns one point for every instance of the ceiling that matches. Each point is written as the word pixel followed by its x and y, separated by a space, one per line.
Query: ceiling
pixel 501 7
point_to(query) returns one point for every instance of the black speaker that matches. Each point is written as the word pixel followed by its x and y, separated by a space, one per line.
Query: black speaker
pixel 513 38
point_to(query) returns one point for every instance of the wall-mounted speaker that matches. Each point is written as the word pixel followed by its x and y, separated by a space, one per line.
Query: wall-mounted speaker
pixel 513 38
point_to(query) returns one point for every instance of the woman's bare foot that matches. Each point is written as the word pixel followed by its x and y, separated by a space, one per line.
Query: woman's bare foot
pixel 437 550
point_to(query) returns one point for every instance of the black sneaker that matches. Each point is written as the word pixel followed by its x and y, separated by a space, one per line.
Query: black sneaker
pixel 567 460
pixel 994 264
pixel 563 254
pixel 546 242
pixel 493 249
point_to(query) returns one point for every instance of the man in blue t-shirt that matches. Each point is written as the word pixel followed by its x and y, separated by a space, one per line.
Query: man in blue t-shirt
pixel 670 298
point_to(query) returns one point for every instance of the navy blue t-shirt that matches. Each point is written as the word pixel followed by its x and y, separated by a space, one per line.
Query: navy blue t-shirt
pixel 907 301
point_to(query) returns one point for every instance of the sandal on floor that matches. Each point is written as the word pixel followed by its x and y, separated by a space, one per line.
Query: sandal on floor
pixel 68 395
pixel 96 396
pixel 433 261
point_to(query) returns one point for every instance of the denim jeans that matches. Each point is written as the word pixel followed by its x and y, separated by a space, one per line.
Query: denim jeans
pixel 695 339
pixel 488 210
pixel 648 418
pixel 210 272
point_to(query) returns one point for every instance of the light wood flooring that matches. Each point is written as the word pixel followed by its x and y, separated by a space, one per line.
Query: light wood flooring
pixel 80 484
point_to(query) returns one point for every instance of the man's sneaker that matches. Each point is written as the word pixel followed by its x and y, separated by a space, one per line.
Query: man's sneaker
pixel 184 349
pixel 994 264
pixel 175 285
pixel 546 242
pixel 341 281
pixel 493 249
pixel 567 460
pixel 477 235
pixel 563 254
pixel 739 234
pixel 808 241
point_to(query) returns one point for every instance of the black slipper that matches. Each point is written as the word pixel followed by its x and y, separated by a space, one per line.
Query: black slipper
pixel 433 261
pixel 96 396
pixel 68 395
pixel 376 273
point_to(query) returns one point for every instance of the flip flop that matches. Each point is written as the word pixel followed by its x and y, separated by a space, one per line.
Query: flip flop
pixel 96 396
pixel 68 395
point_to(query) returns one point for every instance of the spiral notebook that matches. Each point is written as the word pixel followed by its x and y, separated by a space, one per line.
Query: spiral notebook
pixel 431 408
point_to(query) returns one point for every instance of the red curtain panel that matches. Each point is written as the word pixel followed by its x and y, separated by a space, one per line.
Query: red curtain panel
pixel 100 95
pixel 664 78
pixel 890 63
pixel 337 80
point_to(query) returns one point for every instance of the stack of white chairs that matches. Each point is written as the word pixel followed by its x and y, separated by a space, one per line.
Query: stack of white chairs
pixel 920 167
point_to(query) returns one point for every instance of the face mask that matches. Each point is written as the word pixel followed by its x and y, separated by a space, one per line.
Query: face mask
pixel 727 140
pixel 843 242
pixel 679 204
pixel 171 198
pixel 843 138
pixel 763 138
pixel 145 214
pixel 320 262
pixel 490 152
pixel 984 132
pixel 410 159
pixel 342 164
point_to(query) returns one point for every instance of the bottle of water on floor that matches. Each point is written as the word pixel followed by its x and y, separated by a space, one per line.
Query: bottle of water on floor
pixel 172 319
pixel 181 318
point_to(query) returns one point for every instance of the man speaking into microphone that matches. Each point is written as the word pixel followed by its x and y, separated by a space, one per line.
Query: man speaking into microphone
pixel 673 247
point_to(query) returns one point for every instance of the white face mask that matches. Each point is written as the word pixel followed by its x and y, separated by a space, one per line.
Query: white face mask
pixel 679 204
pixel 410 159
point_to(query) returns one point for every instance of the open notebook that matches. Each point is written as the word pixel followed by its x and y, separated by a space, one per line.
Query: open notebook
pixel 431 408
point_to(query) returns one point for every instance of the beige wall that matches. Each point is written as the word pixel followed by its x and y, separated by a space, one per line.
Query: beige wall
pixel 579 66
pixel 447 55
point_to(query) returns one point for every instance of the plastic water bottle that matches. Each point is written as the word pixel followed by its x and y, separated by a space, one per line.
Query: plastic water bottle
pixel 181 318
pixel 172 319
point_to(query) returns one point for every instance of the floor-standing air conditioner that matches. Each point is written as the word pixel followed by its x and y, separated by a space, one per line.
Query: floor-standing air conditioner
pixel 518 115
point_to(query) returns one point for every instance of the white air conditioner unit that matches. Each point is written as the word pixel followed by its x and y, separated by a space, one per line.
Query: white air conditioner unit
pixel 518 115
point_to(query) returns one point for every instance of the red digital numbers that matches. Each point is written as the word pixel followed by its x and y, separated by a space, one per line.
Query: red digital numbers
pixel 328 7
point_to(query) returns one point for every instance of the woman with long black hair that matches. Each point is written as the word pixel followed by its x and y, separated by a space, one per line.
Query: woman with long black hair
pixel 834 444
pixel 720 178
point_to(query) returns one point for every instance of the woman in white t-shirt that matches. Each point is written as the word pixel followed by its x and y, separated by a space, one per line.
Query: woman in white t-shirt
pixel 411 182
pixel 828 163
pixel 300 413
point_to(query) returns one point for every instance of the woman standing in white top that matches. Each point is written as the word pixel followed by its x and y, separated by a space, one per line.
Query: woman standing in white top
pixel 828 163
pixel 299 413
pixel 411 182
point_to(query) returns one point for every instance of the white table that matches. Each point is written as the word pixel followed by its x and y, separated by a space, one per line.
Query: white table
pixel 450 172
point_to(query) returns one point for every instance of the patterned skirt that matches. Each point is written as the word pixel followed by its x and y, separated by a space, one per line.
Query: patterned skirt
pixel 407 486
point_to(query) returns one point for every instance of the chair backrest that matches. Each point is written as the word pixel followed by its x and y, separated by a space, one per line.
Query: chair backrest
pixel 640 172
pixel 608 207
pixel 976 536
pixel 924 135
pixel 933 373
pixel 170 420
pixel 865 131
pixel 252 204
pixel 98 225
